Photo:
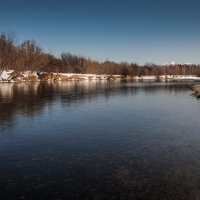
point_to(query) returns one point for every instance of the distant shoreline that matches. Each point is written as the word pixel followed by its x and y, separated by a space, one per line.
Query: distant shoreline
pixel 27 76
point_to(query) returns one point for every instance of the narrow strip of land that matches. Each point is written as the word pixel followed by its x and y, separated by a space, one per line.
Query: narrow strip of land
pixel 14 76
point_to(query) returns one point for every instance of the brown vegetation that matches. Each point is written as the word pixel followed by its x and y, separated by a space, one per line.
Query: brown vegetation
pixel 28 56
pixel 196 88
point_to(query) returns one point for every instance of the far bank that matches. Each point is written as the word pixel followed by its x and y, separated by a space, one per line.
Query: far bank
pixel 14 76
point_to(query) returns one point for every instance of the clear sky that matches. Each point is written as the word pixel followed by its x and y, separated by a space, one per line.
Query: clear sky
pixel 139 31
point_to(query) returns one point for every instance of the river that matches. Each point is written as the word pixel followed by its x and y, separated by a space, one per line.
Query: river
pixel 99 140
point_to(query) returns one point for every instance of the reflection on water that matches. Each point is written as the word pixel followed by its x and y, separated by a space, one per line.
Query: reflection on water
pixel 99 140
pixel 30 99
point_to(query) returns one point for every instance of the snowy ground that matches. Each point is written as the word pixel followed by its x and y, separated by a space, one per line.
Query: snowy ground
pixel 8 76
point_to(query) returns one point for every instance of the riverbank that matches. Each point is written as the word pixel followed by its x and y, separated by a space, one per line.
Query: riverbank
pixel 196 88
pixel 13 76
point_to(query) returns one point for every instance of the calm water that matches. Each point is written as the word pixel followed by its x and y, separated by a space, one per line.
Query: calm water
pixel 99 140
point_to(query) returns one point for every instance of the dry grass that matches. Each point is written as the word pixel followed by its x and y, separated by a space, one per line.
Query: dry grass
pixel 196 87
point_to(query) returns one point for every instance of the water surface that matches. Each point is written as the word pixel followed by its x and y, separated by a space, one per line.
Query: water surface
pixel 99 140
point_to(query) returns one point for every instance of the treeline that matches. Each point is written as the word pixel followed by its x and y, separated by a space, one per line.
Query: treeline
pixel 29 56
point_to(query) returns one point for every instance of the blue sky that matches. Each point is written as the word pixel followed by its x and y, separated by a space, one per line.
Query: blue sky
pixel 139 31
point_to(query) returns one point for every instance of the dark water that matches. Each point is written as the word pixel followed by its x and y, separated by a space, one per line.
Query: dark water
pixel 99 140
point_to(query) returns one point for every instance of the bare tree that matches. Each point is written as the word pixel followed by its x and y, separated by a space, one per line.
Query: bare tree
pixel 7 51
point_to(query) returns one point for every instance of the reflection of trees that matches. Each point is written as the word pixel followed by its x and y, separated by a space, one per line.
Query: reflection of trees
pixel 110 89
pixel 30 99
pixel 23 99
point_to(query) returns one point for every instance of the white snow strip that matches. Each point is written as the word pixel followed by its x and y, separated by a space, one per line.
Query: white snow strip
pixel 5 75
pixel 73 76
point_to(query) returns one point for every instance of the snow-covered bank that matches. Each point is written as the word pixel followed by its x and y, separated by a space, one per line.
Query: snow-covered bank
pixel 168 77
pixel 12 76
pixel 5 76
